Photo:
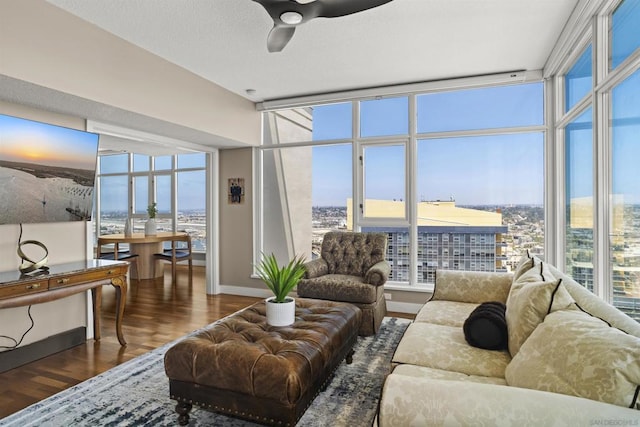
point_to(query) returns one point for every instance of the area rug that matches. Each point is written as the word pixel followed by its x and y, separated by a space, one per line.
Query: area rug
pixel 136 393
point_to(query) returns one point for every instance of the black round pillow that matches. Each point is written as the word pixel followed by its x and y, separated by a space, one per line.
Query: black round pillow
pixel 486 326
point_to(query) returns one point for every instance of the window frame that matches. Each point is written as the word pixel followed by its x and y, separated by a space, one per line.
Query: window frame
pixel 594 28
pixel 151 174
pixel 359 221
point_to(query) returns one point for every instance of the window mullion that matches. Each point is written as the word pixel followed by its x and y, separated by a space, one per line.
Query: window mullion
pixel 357 167
pixel 602 284
pixel 554 179
pixel 412 196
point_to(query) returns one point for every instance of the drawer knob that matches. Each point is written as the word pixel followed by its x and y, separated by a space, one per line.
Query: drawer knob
pixel 110 271
pixel 63 281
pixel 33 286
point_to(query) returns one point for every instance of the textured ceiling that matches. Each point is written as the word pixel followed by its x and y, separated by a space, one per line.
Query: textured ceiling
pixel 403 41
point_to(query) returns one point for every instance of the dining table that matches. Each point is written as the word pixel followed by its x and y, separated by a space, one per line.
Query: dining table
pixel 145 246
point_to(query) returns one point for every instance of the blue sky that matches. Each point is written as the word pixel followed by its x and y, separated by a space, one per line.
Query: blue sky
pixel 474 170
pixel 191 184
pixel 505 169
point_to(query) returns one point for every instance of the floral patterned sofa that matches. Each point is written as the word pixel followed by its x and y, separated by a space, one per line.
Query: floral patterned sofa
pixel 570 358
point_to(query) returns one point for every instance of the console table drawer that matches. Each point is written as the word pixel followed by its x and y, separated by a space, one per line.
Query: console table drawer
pixel 89 276
pixel 23 288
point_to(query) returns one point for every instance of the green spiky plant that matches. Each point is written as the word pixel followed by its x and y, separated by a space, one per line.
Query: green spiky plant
pixel 281 280
pixel 152 210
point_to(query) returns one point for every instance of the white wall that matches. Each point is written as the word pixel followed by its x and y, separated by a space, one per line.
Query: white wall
pixel 66 242
pixel 236 221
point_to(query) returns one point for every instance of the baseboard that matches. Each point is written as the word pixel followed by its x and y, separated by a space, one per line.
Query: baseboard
pixel 26 354
pixel 404 307
pixel 245 291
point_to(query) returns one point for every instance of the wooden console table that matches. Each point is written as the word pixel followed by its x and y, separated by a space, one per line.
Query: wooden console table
pixel 62 280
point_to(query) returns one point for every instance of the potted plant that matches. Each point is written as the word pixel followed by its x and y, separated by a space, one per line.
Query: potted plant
pixel 281 308
pixel 150 228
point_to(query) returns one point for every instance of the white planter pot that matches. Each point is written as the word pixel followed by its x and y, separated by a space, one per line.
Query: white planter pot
pixel 150 228
pixel 280 313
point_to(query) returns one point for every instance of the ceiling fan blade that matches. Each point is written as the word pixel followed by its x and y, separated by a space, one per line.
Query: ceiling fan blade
pixel 278 38
pixel 284 27
pixel 335 8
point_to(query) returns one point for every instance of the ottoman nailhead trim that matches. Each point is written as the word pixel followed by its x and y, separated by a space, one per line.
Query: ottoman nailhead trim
pixel 248 415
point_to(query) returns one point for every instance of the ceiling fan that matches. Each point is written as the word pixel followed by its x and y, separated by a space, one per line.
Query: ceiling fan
pixel 288 14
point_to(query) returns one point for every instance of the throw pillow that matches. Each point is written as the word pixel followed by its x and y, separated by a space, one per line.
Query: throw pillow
pixel 529 301
pixel 577 354
pixel 486 326
pixel 526 262
pixel 540 272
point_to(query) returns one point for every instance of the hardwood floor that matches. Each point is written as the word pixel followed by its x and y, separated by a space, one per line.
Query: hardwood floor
pixel 155 314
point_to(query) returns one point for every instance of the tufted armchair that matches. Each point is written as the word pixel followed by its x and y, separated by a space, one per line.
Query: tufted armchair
pixel 351 268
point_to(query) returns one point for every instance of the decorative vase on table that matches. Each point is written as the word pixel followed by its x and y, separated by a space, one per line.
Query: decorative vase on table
pixel 150 227
pixel 280 308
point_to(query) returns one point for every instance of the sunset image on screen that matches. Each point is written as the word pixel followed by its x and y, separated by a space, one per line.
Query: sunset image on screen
pixel 47 172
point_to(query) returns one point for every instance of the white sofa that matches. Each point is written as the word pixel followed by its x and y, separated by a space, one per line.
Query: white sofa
pixel 572 359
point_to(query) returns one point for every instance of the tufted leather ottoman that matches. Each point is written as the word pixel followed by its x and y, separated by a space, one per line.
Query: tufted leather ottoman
pixel 242 367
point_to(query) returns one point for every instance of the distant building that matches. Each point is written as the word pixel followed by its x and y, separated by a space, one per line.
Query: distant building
pixel 449 238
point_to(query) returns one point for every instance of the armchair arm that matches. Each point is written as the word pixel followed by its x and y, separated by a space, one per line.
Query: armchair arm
pixel 378 274
pixel 315 268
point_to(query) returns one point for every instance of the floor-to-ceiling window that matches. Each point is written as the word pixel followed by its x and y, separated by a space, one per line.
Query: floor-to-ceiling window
pixel 128 183
pixel 475 157
pixel 456 178
pixel 598 86
pixel 624 119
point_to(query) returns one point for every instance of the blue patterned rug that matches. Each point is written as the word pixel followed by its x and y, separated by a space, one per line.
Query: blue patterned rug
pixel 136 393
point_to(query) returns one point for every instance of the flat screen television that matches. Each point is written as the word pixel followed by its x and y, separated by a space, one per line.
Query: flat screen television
pixel 47 172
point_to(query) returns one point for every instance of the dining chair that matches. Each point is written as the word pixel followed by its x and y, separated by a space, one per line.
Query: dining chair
pixel 180 251
pixel 118 255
